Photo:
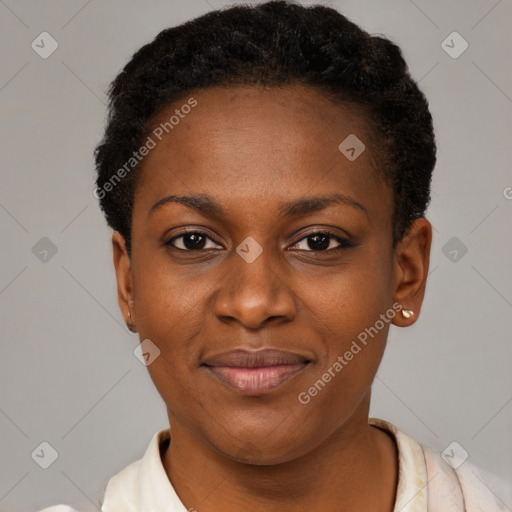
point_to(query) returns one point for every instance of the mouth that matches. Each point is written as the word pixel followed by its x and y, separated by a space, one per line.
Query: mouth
pixel 255 373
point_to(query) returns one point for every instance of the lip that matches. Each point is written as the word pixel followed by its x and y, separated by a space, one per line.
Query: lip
pixel 255 372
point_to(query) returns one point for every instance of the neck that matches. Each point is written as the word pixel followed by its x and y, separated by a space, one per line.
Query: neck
pixel 355 470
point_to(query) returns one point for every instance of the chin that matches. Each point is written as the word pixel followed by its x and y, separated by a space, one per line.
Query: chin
pixel 262 446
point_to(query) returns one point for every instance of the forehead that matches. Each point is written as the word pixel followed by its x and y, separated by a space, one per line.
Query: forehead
pixel 251 143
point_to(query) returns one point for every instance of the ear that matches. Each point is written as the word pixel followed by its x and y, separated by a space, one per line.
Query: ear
pixel 412 258
pixel 122 266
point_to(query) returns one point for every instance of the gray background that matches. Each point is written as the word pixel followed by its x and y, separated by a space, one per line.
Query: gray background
pixel 68 374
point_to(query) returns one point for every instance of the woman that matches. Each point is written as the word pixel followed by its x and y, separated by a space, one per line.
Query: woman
pixel 266 171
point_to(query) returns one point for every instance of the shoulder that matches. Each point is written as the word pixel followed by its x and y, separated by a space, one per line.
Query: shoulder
pixel 443 483
pixel 121 486
pixel 122 489
pixel 478 490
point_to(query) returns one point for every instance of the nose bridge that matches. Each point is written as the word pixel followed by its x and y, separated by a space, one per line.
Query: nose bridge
pixel 254 290
pixel 253 266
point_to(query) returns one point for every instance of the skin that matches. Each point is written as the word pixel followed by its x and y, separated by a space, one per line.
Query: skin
pixel 251 150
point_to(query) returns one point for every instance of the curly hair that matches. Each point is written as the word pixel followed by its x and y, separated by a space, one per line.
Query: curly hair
pixel 276 43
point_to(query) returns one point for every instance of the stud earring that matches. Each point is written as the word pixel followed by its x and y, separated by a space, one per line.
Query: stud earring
pixel 407 313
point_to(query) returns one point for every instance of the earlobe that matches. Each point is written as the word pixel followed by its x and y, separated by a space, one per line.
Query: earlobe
pixel 122 264
pixel 412 258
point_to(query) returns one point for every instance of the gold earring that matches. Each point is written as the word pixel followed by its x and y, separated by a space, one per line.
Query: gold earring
pixel 407 313
pixel 130 324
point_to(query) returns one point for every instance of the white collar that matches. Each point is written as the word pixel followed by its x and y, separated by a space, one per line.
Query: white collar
pixel 411 493
pixel 144 486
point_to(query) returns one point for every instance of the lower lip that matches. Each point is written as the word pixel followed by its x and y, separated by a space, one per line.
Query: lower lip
pixel 255 381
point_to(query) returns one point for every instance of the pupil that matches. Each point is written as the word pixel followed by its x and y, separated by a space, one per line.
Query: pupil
pixel 193 241
pixel 320 242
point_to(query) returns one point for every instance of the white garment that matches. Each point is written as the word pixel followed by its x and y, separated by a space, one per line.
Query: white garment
pixel 426 483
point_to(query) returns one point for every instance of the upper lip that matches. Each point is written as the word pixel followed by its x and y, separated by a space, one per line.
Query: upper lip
pixel 242 358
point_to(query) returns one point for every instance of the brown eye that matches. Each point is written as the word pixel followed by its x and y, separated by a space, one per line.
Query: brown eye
pixel 321 241
pixel 190 241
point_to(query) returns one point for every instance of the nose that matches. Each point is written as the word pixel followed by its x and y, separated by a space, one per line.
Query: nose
pixel 255 293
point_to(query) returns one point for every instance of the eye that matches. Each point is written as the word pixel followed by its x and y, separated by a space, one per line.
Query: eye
pixel 321 241
pixel 190 241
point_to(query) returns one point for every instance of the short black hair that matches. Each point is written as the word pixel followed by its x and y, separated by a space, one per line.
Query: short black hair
pixel 274 44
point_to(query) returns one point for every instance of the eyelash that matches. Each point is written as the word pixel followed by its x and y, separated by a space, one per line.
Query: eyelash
pixel 344 243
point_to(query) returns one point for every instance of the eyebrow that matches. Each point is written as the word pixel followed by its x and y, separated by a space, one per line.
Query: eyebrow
pixel 302 206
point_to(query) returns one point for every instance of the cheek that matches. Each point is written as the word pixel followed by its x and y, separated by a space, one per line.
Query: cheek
pixel 350 298
pixel 354 329
pixel 168 312
pixel 168 298
pixel 352 312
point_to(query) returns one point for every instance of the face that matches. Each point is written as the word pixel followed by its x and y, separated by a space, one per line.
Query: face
pixel 260 254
